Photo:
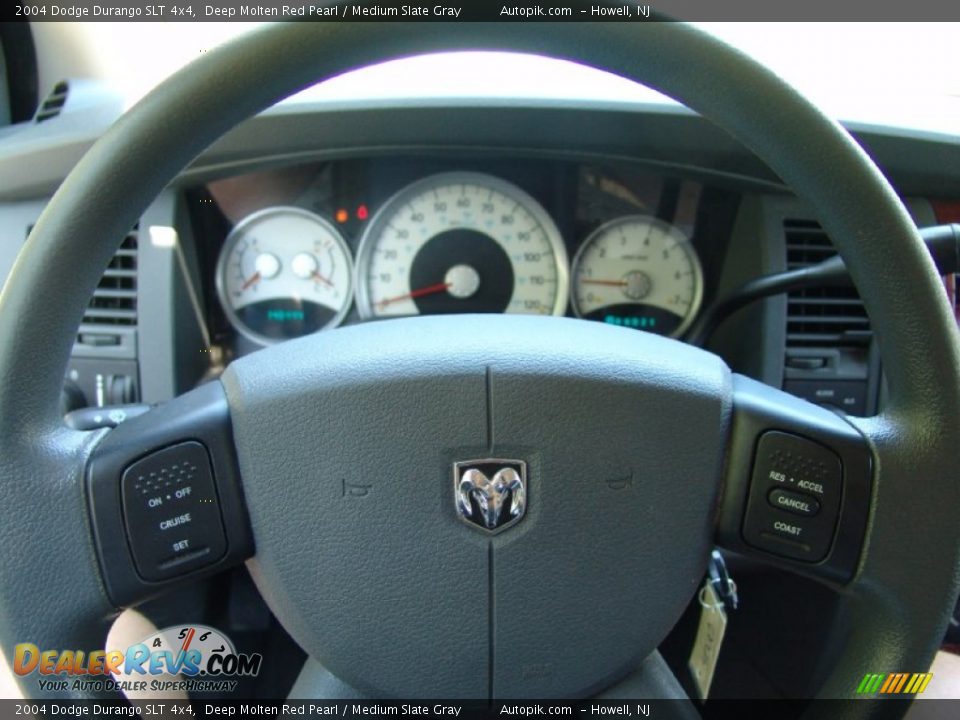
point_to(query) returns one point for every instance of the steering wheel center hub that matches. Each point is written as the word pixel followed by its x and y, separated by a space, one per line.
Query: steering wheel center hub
pixel 594 533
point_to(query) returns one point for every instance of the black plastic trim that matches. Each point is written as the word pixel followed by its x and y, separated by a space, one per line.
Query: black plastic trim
pixel 758 408
pixel 201 415
pixel 23 81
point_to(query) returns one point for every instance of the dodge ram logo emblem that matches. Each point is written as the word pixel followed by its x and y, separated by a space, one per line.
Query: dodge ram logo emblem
pixel 490 494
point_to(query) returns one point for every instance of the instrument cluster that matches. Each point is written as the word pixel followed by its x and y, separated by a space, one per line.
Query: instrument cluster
pixel 309 248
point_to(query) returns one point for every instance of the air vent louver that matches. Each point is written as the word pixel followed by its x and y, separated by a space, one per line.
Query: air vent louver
pixel 53 103
pixel 820 317
pixel 114 302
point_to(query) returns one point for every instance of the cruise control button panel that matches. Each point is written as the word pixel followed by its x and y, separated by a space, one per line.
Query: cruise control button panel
pixel 166 502
pixel 172 513
pixel 794 498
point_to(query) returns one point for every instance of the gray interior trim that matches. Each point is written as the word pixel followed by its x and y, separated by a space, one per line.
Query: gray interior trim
pixel 15 219
pixel 36 157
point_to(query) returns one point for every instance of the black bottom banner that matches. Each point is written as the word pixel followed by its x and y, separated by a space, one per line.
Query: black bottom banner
pixel 472 709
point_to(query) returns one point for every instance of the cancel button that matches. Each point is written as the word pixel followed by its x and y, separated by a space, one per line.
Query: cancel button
pixel 796 503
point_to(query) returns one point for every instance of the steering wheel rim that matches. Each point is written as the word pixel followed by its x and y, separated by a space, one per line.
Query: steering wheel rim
pixel 898 609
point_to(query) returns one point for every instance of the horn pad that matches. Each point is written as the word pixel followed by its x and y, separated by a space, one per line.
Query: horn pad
pixel 347 444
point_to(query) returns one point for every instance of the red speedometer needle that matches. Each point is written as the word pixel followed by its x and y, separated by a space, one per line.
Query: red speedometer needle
pixel 428 290
pixel 321 278
pixel 187 640
pixel 613 283
pixel 250 281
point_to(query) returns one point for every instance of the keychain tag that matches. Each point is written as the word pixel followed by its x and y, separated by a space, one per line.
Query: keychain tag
pixel 706 648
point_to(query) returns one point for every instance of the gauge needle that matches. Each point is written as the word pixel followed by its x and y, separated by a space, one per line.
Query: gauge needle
pixel 250 281
pixel 613 283
pixel 187 640
pixel 428 290
pixel 317 276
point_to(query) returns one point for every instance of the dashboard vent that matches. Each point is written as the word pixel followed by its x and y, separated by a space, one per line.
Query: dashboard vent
pixel 820 317
pixel 114 302
pixel 53 103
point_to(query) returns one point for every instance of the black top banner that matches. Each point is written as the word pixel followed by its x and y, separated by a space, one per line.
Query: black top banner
pixel 481 11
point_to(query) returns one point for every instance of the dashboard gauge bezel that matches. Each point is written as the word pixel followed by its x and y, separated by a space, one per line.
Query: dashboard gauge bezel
pixel 370 238
pixel 690 250
pixel 226 251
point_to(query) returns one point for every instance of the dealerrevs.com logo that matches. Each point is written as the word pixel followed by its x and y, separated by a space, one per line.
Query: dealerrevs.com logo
pixel 191 658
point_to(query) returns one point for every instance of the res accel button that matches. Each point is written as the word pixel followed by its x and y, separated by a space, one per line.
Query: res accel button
pixel 796 503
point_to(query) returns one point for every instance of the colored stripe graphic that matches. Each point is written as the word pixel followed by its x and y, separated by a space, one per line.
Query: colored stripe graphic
pixel 894 683
pixel 870 684
pixel 886 684
pixel 901 679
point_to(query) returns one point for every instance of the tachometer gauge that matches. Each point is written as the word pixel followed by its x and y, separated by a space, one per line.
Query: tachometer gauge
pixel 638 272
pixel 284 272
pixel 461 243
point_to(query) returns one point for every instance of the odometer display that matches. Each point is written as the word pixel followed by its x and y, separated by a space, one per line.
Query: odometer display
pixel 638 272
pixel 461 243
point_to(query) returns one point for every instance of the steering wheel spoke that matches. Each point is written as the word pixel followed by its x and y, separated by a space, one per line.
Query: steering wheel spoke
pixel 797 484
pixel 165 498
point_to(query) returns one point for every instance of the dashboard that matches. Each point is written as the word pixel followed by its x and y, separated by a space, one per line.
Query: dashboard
pixel 319 214
pixel 306 248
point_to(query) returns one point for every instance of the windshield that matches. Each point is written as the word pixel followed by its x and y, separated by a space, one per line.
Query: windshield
pixel 894 74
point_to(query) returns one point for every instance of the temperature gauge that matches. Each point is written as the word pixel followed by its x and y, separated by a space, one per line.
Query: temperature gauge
pixel 284 272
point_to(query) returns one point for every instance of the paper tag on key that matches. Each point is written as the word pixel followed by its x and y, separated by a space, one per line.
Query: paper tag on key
pixel 706 648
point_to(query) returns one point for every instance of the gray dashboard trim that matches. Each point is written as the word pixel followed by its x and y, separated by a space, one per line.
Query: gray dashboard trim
pixel 171 348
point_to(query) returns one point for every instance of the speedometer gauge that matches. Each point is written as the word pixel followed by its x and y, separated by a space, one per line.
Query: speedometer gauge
pixel 284 272
pixel 638 272
pixel 461 243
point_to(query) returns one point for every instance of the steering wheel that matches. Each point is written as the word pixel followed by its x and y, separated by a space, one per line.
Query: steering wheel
pixel 331 464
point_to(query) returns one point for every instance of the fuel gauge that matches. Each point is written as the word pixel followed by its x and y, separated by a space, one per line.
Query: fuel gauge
pixel 284 272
